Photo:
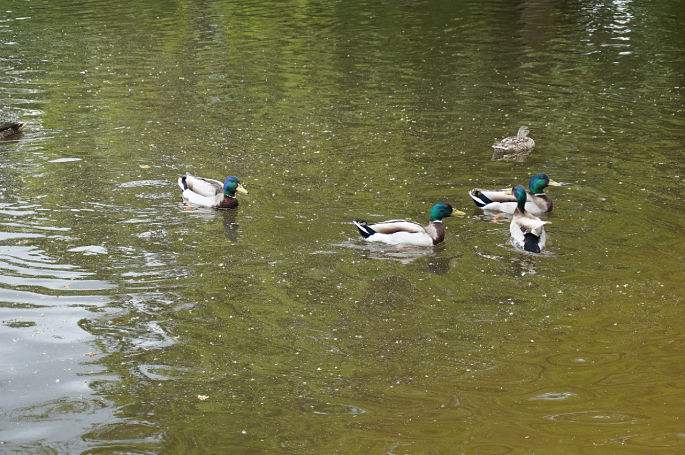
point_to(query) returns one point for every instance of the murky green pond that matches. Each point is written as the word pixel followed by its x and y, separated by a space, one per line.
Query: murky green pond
pixel 132 324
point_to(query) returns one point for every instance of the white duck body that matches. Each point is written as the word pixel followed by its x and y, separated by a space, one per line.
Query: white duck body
pixel 200 191
pixel 402 232
pixel 537 202
pixel 504 201
pixel 408 233
pixel 528 231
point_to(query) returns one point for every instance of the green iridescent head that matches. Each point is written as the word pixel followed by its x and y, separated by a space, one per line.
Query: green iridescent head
pixel 539 182
pixel 439 211
pixel 231 185
pixel 519 193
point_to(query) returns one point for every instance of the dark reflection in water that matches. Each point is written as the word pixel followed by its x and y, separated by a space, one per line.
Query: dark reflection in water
pixel 440 265
pixel 524 264
pixel 231 226
pixel 273 328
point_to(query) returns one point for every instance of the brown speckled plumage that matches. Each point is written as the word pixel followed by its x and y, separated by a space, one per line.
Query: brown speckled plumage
pixel 9 129
pixel 514 148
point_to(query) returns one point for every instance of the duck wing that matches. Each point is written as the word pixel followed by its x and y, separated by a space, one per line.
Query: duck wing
pixel 192 198
pixel 532 225
pixel 524 225
pixel 495 200
pixel 395 232
pixel 394 226
pixel 504 201
pixel 200 185
pixel 483 197
pixel 505 143
pixel 528 235
pixel 513 142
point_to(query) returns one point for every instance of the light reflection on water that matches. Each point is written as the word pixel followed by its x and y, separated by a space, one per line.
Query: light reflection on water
pixel 48 364
pixel 301 337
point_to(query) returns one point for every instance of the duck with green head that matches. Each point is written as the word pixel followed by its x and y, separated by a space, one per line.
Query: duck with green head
pixel 402 232
pixel 537 202
pixel 205 192
pixel 527 230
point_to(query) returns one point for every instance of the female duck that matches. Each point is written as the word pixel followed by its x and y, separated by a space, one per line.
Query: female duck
pixel 9 129
pixel 527 230
pixel 504 201
pixel 401 232
pixel 514 148
pixel 209 192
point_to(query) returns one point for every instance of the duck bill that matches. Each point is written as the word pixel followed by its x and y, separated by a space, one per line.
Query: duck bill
pixel 241 189
pixel 553 183
pixel 458 213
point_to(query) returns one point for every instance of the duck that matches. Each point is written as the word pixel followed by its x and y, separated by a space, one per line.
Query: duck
pixel 527 230
pixel 9 129
pixel 514 148
pixel 205 192
pixel 408 233
pixel 537 202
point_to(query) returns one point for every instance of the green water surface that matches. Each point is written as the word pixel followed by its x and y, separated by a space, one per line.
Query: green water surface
pixel 130 323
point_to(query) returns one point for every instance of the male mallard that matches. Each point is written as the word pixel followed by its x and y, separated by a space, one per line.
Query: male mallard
pixel 209 192
pixel 504 201
pixel 402 232
pixel 514 148
pixel 9 129
pixel 527 230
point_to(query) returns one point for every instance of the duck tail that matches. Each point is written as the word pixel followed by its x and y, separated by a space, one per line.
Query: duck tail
pixel 364 229
pixel 531 242
pixel 479 198
pixel 182 182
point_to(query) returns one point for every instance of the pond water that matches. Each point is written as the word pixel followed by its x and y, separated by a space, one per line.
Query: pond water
pixel 132 324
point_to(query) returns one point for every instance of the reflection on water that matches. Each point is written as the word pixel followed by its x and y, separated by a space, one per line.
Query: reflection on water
pixel 401 253
pixel 441 265
pixel 47 361
pixel 230 225
pixel 120 307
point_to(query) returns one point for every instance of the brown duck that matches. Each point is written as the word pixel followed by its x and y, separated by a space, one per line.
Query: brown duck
pixel 9 129
pixel 514 148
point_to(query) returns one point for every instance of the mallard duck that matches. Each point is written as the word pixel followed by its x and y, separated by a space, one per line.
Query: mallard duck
pixel 402 232
pixel 514 148
pixel 209 192
pixel 504 201
pixel 9 129
pixel 527 230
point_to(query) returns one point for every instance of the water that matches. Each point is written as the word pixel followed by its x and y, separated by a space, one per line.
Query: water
pixel 129 323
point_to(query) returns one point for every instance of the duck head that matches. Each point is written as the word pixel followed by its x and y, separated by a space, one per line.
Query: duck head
pixel 519 193
pixel 231 185
pixel 442 210
pixel 539 182
pixel 523 132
